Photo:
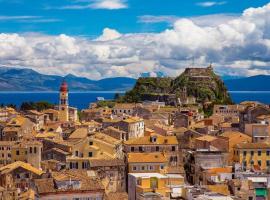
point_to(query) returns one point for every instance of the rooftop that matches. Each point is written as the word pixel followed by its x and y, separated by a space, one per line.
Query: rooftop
pixel 148 175
pixel 207 138
pixel 79 133
pixel 146 140
pixel 133 119
pixel 19 164
pixel 146 158
pixel 253 146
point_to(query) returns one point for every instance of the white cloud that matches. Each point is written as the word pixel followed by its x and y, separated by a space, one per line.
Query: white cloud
pixel 27 19
pixel 96 4
pixel 236 46
pixel 109 34
pixel 23 17
pixel 109 4
pixel 205 20
pixel 211 3
pixel 152 19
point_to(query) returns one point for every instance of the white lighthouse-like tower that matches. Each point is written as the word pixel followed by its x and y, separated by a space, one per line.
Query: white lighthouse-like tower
pixel 63 103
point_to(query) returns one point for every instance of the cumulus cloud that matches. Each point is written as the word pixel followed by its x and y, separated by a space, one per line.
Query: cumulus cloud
pixel 236 46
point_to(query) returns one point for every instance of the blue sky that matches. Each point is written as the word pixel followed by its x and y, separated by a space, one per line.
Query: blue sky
pixel 62 16
pixel 108 38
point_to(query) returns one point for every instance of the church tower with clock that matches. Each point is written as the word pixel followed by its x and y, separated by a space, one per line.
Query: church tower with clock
pixel 63 103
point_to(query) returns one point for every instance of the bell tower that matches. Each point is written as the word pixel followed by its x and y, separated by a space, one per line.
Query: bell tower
pixel 63 102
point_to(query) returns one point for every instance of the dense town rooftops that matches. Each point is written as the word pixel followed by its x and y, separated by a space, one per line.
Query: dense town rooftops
pixel 18 164
pixel 146 158
pixel 146 140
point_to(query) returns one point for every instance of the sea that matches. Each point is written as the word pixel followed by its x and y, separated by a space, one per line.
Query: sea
pixel 81 100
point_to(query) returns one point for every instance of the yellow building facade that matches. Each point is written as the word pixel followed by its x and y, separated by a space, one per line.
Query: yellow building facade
pixel 252 154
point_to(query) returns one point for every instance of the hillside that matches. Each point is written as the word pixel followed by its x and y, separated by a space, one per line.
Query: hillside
pixel 15 79
pixel 201 83
pixel 253 83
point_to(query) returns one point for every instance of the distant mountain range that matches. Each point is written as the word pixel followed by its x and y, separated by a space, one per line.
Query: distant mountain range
pixel 17 79
pixel 253 83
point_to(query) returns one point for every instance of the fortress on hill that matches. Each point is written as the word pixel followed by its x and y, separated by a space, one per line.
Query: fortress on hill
pixel 194 85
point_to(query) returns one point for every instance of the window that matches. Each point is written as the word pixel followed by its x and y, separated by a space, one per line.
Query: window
pixel 134 168
pixel 76 165
pixel 157 148
pixel 18 176
pixel 26 175
pixel 268 152
pixel 161 166
pixel 140 149
pixel 90 154
pixel 142 168
pixel 259 153
pixel 252 162
pixel 91 143
pixel 244 153
pixel 132 149
pixel 268 163
pixel 31 149
pixel 259 162
pixel 17 152
pixel 251 153
pixel 76 153
pixel 84 165
pixel 173 148
pixel 35 149
pixel 151 167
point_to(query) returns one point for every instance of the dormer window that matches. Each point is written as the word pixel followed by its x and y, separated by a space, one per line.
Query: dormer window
pixel 153 138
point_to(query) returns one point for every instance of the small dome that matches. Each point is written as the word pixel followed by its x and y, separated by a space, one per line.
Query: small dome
pixel 64 87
